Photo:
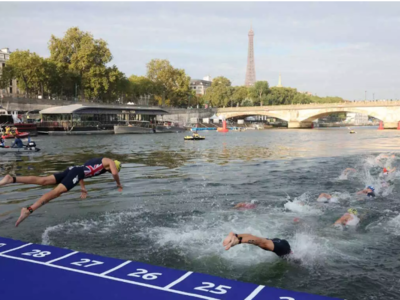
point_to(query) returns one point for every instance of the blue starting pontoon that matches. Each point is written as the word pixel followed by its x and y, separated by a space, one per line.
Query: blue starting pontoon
pixel 29 271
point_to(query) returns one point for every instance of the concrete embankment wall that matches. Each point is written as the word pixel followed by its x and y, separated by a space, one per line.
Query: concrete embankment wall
pixel 185 116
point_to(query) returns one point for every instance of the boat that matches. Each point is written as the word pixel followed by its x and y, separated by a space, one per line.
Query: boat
pixel 24 149
pixel 169 127
pixel 13 132
pixel 78 119
pixel 14 121
pixel 30 147
pixel 194 137
pixel 136 127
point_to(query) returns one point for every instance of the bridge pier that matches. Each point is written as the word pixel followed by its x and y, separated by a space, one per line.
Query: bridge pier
pixel 295 124
pixel 390 125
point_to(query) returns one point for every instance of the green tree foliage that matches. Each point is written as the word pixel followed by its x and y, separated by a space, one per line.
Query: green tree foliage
pixel 34 74
pixel 220 92
pixel 239 94
pixel 83 59
pixel 285 96
pixel 258 93
pixel 171 85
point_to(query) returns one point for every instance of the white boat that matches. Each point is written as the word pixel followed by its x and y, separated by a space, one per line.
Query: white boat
pixel 135 127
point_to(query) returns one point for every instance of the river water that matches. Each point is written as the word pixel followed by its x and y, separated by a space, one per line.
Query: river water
pixel 176 206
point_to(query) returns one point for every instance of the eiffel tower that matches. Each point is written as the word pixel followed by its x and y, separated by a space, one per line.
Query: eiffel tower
pixel 250 71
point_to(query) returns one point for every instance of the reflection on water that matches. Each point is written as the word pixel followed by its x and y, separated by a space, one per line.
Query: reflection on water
pixel 176 206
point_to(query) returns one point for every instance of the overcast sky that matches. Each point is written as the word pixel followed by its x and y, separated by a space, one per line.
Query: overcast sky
pixel 336 49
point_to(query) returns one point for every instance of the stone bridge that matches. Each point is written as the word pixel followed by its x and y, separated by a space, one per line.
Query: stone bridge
pixel 302 115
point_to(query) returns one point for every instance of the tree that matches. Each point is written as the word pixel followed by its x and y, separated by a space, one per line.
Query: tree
pixel 259 92
pixel 172 85
pixel 220 92
pixel 142 86
pixel 29 70
pixel 83 56
pixel 239 94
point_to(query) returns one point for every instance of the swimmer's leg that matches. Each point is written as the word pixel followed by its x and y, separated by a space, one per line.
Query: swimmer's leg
pixel 231 240
pixel 60 189
pixel 48 180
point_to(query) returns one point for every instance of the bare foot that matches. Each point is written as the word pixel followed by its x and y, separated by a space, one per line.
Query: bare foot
pixel 230 241
pixel 6 180
pixel 24 214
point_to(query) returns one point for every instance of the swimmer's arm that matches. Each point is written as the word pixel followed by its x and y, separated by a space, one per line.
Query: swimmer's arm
pixel 362 192
pixel 342 221
pixel 114 172
pixel 238 205
pixel 83 190
pixel 324 195
pixel 255 240
pixel 392 170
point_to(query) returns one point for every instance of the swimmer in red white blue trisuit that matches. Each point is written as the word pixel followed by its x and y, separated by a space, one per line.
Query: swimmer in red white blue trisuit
pixel 278 246
pixel 66 181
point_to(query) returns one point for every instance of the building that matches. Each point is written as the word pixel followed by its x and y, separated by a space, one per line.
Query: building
pixel 356 118
pixel 200 85
pixel 12 89
pixel 251 70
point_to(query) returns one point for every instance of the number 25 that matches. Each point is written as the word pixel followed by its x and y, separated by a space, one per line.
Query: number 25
pixel 221 289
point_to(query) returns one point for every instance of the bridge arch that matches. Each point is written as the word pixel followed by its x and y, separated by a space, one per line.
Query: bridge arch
pixel 282 116
pixel 313 115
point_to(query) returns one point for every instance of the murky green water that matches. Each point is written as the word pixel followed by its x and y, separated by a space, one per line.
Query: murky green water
pixel 176 206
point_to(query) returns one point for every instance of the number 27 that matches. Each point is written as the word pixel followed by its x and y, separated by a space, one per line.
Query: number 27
pixel 208 286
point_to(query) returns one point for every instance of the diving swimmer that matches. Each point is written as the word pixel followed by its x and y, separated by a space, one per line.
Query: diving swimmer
pixel 278 246
pixel 66 181
pixel 348 219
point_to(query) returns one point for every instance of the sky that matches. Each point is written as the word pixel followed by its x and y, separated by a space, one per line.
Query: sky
pixel 327 48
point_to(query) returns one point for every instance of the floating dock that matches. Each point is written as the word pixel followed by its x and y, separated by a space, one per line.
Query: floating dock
pixel 47 273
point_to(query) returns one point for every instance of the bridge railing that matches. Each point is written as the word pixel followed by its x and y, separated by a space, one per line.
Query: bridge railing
pixel 314 105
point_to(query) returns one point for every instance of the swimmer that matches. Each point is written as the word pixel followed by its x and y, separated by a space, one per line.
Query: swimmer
pixel 2 141
pixel 324 198
pixel 278 246
pixel 349 219
pixel 369 191
pixel 245 205
pixel 66 181
pixel 346 171
pixel 387 171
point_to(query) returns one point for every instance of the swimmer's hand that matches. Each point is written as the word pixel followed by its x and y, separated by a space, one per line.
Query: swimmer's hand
pixel 230 241
pixel 83 193
pixel 24 214
pixel 120 188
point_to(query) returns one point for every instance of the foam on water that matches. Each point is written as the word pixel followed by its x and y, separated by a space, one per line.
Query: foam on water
pixel 394 225
pixel 104 224
pixel 301 208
